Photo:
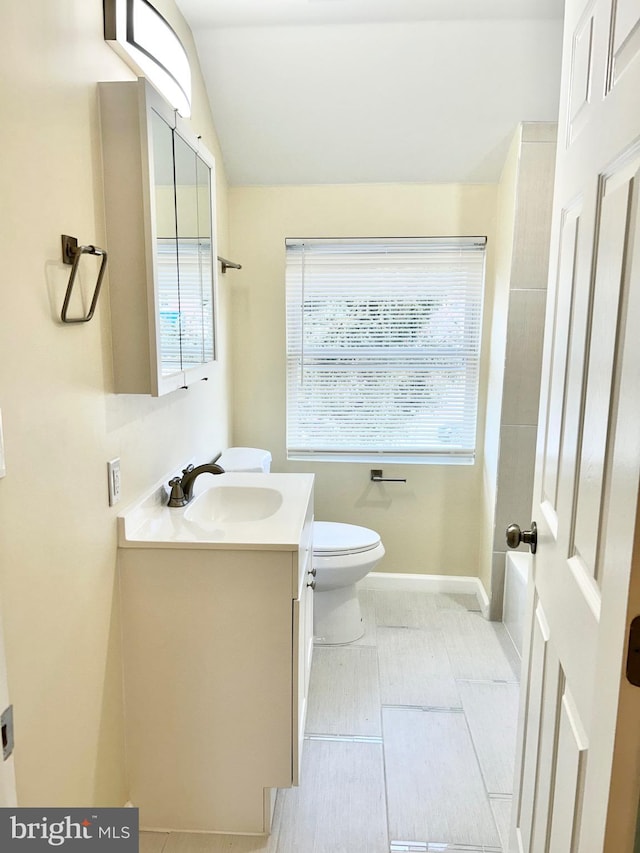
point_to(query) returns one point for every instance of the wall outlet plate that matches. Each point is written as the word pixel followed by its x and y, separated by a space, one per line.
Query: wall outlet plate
pixel 113 472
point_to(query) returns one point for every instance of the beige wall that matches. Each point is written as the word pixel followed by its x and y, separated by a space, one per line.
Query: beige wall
pixel 61 420
pixel 431 524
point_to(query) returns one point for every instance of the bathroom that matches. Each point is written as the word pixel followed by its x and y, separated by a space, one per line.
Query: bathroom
pixel 62 421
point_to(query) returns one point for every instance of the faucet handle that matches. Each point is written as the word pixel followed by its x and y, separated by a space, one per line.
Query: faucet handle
pixel 176 498
pixel 187 470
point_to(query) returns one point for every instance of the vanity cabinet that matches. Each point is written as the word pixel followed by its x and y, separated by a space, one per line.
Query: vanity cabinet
pixel 217 646
pixel 159 185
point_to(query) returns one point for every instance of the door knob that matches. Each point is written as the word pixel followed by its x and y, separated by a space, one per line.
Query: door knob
pixel 530 537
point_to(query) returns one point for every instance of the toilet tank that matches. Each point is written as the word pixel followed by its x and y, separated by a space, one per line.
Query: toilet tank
pixel 245 459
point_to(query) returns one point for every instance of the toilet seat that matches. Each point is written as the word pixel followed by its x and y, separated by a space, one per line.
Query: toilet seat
pixel 334 539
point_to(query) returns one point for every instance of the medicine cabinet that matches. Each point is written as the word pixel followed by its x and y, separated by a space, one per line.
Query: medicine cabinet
pixel 159 185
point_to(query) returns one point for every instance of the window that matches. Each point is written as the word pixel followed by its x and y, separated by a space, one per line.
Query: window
pixel 383 344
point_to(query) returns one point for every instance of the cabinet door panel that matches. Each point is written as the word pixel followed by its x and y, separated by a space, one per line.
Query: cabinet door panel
pixel 166 247
pixel 206 259
pixel 190 286
pixel 302 614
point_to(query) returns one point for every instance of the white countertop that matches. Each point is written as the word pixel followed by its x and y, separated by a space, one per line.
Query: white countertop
pixel 150 523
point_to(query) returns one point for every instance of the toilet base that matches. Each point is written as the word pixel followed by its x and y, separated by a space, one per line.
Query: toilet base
pixel 337 618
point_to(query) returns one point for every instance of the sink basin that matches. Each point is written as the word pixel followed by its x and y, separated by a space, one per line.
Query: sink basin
pixel 233 504
pixel 232 510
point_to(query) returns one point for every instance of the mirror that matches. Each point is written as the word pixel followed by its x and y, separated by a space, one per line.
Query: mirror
pixel 166 249
pixel 205 254
pixel 183 251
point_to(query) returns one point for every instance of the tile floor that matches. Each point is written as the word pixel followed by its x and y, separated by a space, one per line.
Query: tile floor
pixel 410 739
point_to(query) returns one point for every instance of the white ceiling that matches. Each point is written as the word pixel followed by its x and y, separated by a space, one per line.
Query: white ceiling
pixel 231 13
pixel 361 91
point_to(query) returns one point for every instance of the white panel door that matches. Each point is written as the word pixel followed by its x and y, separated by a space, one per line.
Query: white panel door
pixel 577 783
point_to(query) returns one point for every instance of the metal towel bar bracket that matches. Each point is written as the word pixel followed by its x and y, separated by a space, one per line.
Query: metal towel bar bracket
pixel 228 265
pixel 71 254
pixel 376 477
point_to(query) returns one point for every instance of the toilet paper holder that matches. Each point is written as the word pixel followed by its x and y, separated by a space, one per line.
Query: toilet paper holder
pixel 376 477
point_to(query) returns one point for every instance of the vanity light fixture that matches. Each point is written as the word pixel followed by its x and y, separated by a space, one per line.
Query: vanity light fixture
pixel 141 36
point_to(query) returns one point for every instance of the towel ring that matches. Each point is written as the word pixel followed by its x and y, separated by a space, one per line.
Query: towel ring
pixel 71 254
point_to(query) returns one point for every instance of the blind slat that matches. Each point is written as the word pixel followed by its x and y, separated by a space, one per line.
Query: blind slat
pixel 185 301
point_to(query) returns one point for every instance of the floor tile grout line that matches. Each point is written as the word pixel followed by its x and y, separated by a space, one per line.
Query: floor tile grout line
pixel 373 609
pixel 275 844
pixel 384 753
pixel 398 846
pixel 443 709
pixel 482 776
pixel 448 656
pixel 475 750
pixel 344 738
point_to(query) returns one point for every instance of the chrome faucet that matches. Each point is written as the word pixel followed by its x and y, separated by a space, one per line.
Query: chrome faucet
pixel 182 487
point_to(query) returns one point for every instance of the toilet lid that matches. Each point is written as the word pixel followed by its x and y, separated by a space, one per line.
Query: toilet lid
pixel 332 537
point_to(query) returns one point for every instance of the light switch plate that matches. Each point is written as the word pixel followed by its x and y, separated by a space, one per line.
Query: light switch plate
pixel 3 467
pixel 113 471
pixel 6 727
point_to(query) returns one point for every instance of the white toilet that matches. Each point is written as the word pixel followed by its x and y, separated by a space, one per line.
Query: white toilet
pixel 342 555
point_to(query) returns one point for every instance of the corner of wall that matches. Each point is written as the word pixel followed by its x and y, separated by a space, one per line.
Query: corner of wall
pixel 526 196
pixel 505 226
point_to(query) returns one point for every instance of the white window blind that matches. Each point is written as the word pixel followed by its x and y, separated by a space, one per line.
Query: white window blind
pixel 383 345
pixel 185 302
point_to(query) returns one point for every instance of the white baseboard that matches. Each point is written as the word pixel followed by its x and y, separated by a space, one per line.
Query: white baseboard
pixel 428 583
pixel 483 598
